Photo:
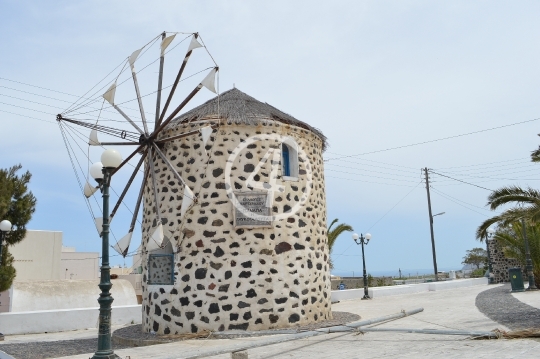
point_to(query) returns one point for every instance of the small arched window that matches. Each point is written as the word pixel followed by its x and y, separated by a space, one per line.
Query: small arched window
pixel 289 160
pixel 286 160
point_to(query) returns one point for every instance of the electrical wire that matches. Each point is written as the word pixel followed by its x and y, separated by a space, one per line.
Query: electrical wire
pixel 382 217
pixel 435 140
pixel 455 179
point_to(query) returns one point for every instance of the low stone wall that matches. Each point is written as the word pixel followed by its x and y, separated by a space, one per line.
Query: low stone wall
pixel 358 282
pixel 339 295
pixel 50 321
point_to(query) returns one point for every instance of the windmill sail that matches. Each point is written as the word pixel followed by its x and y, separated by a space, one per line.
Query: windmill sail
pixel 123 244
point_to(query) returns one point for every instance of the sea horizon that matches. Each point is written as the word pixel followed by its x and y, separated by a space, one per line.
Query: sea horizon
pixel 405 272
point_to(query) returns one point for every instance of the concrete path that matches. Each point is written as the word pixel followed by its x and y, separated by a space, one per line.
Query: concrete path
pixel 452 309
pixel 531 298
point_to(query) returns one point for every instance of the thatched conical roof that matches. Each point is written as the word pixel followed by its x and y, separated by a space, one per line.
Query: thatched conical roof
pixel 236 107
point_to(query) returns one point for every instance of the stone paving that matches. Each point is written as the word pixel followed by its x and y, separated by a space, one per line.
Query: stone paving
pixel 499 305
pixel 450 309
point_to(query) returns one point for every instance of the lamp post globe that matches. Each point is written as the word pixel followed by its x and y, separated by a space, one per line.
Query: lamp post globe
pixel 355 236
pixel 5 226
pixel 96 171
pixel 111 158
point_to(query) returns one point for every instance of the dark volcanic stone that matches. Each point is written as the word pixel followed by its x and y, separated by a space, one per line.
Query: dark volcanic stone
pixel 282 247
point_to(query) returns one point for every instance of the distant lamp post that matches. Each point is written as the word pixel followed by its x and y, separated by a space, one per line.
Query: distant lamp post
pixel 433 242
pixel 491 276
pixel 102 171
pixel 363 240
pixel 530 274
pixel 5 228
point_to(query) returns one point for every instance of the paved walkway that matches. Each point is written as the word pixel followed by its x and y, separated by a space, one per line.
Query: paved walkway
pixel 501 306
pixel 451 309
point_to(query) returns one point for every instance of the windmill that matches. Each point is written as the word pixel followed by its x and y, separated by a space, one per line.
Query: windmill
pixel 132 128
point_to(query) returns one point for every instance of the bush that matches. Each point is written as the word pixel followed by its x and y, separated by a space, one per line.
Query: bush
pixel 478 273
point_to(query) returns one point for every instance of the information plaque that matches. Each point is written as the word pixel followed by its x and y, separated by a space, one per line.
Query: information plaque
pixel 250 210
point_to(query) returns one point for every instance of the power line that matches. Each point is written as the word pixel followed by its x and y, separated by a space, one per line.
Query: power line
pixel 436 140
pixel 357 180
pixel 459 204
pixel 384 215
pixel 455 179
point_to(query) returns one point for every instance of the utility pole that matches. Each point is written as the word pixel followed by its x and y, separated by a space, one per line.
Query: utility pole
pixel 426 172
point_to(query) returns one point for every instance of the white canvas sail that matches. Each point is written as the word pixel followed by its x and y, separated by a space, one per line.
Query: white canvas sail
pixel 89 190
pixel 93 138
pixel 133 57
pixel 194 44
pixel 99 224
pixel 123 244
pixel 165 43
pixel 155 241
pixel 210 81
pixel 109 94
pixel 187 201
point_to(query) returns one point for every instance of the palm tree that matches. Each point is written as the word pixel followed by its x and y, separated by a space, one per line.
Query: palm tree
pixel 333 234
pixel 512 241
pixel 529 199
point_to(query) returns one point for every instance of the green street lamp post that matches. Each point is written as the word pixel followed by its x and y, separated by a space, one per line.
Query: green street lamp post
pixel 102 172
pixel 5 228
pixel 489 234
pixel 363 240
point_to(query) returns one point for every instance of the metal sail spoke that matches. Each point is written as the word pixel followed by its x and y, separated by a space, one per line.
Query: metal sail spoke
pixel 126 240
pixel 160 80
pixel 130 181
pixel 129 119
pixel 169 164
pixel 176 81
pixel 141 108
pixel 154 182
pixel 128 135
pixel 182 135
pixel 137 150
pixel 180 107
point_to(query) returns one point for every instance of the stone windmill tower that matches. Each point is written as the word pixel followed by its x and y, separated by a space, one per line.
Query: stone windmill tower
pixel 245 242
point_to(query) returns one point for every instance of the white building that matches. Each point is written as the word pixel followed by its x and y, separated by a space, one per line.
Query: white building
pixel 41 257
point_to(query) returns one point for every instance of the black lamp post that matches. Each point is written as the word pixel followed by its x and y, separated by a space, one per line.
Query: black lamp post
pixel 363 240
pixel 5 228
pixel 489 234
pixel 102 171
pixel 530 274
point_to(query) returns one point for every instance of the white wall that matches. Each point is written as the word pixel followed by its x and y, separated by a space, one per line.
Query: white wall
pixel 67 294
pixel 50 321
pixel 5 300
pixel 339 295
pixel 79 265
pixel 37 256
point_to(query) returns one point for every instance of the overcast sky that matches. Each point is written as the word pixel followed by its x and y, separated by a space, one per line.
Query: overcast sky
pixel 371 75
